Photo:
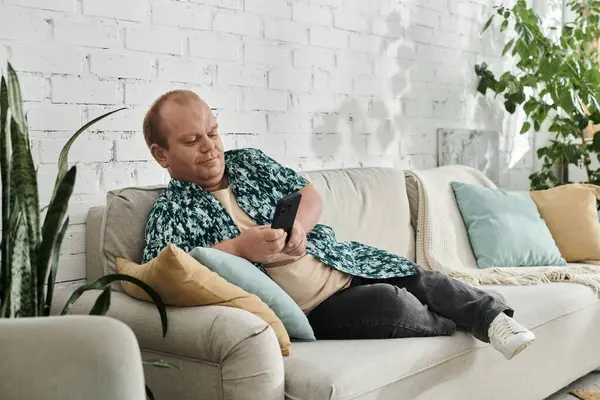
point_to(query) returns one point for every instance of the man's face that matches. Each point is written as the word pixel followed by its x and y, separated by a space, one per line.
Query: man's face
pixel 195 152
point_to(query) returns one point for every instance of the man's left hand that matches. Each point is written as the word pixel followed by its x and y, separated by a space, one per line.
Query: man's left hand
pixel 296 246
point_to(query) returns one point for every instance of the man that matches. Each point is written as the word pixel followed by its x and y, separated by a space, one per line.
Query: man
pixel 349 290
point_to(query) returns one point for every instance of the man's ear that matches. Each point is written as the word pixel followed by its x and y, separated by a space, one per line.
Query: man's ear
pixel 159 155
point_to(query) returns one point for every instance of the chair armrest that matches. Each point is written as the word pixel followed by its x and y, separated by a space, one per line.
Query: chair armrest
pixel 208 333
pixel 70 358
pixel 244 346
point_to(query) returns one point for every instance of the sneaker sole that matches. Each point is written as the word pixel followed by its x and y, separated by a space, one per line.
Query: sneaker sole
pixel 521 348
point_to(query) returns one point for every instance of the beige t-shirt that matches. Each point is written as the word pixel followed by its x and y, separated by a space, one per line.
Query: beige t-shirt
pixel 307 280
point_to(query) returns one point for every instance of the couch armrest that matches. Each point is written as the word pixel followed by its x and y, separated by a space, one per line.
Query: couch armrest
pixel 69 358
pixel 243 345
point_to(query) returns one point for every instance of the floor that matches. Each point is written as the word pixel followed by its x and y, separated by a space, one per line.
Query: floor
pixel 590 381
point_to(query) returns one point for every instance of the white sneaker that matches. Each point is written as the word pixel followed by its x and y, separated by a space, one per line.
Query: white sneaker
pixel 508 336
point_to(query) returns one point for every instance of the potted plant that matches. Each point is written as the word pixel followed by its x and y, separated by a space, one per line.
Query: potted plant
pixel 556 82
pixel 30 248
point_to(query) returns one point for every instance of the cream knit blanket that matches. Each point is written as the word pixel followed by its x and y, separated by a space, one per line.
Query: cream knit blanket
pixel 442 242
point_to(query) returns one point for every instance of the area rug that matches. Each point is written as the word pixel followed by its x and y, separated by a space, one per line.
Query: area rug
pixel 586 394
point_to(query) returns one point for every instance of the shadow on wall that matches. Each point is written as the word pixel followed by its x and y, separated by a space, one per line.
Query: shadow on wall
pixel 423 80
pixel 360 126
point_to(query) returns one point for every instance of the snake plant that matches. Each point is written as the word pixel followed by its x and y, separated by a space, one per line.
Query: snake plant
pixel 30 248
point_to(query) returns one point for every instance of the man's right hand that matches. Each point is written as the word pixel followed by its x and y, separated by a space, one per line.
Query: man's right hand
pixel 261 243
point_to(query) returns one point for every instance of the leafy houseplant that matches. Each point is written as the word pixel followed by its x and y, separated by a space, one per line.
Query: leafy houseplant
pixel 555 81
pixel 29 253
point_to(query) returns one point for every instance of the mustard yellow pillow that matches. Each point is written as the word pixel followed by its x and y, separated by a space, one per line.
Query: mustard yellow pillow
pixel 181 280
pixel 571 215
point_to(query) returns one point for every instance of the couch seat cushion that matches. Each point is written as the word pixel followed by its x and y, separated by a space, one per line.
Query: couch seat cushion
pixel 362 368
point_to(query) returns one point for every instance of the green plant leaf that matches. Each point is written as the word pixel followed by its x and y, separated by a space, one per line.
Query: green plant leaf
pixel 596 142
pixel 102 303
pixel 480 68
pixel 530 81
pixel 583 122
pixel 10 234
pixel 13 297
pixel 510 106
pixel 519 96
pixel 555 127
pixel 508 46
pixel 107 280
pixel 482 86
pixel 5 164
pixel 21 298
pixel 487 24
pixel 525 127
pixel 63 158
pixel 15 101
pixel 54 219
pixel 530 106
pixel 54 267
pixel 149 393
pixel 594 101
pixel 161 364
pixel 24 175
pixel 576 102
pixel 504 25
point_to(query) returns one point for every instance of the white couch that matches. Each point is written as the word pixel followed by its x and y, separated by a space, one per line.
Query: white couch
pixel 230 354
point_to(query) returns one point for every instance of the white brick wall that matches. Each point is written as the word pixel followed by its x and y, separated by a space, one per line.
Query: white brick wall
pixel 181 15
pixel 274 8
pixel 312 14
pixel 21 25
pixel 103 35
pixel 57 5
pixel 46 59
pixel 193 71
pixel 75 90
pixel 215 46
pixel 155 39
pixel 314 83
pixel 136 10
pixel 133 65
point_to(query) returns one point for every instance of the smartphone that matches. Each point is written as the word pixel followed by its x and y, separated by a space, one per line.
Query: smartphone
pixel 285 213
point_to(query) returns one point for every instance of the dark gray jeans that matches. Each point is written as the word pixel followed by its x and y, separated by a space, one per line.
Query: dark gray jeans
pixel 428 303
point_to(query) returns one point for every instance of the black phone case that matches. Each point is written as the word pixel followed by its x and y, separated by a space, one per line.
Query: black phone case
pixel 285 213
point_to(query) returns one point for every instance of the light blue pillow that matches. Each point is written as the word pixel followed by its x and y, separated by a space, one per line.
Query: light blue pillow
pixel 244 274
pixel 505 228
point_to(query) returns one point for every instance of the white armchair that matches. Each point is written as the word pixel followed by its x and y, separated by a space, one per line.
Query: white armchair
pixel 69 358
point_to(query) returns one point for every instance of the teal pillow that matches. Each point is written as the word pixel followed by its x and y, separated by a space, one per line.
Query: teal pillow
pixel 244 274
pixel 505 228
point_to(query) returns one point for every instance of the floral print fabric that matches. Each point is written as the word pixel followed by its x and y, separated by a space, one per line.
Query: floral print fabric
pixel 187 216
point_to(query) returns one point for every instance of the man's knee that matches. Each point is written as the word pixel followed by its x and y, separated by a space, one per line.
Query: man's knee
pixel 393 302
pixel 405 314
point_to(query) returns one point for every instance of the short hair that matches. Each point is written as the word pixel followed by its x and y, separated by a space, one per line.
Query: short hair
pixel 153 132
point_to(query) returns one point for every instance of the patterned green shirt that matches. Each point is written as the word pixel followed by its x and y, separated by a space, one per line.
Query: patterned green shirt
pixel 187 216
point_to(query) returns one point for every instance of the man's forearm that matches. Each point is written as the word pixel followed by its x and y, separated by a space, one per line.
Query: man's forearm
pixel 310 208
pixel 229 246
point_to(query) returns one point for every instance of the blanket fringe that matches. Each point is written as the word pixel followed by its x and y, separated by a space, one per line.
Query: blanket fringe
pixel 432 255
pixel 586 275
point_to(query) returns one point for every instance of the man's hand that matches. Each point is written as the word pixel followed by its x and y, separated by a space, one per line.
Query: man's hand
pixel 260 243
pixel 296 246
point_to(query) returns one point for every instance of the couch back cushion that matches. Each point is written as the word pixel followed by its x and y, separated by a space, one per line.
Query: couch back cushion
pixel 367 205
pixel 122 228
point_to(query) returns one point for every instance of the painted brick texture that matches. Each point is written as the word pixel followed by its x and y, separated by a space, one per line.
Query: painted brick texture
pixel 316 84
